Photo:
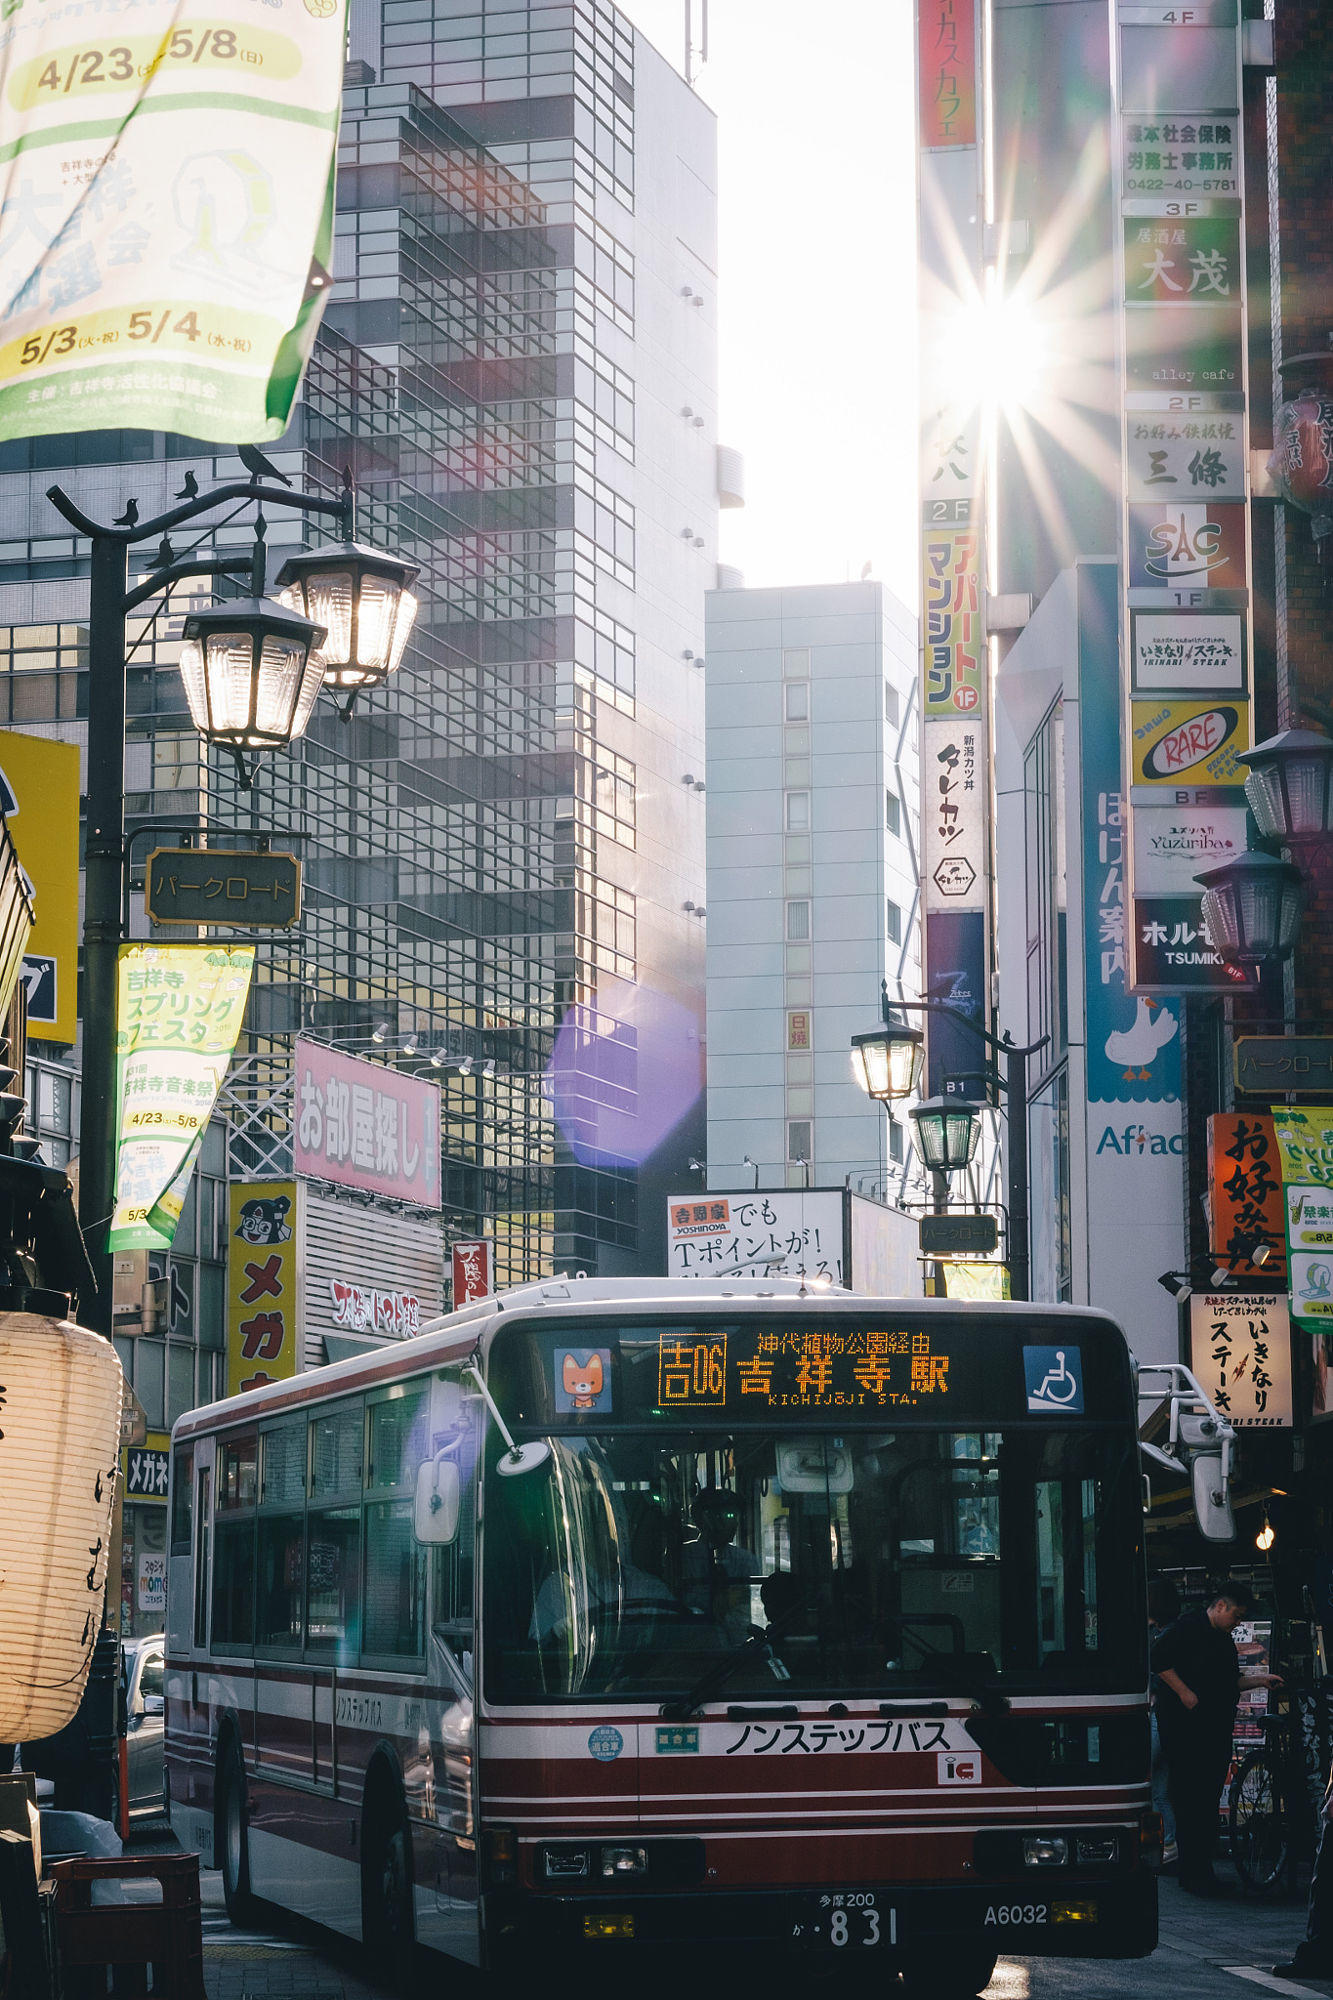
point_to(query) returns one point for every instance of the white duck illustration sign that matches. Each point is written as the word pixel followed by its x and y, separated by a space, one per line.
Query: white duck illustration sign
pixel 1135 1049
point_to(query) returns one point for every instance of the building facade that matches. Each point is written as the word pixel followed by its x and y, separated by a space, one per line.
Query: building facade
pixel 814 838
pixel 517 367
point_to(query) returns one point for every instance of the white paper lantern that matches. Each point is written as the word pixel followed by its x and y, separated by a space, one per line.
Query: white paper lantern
pixel 60 1400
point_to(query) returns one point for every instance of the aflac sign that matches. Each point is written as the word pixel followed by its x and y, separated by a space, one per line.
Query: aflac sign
pixel 1134 1140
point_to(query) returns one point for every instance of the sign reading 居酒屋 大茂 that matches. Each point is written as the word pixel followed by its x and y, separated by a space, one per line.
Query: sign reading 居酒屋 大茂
pixel 165 249
pixel 364 1125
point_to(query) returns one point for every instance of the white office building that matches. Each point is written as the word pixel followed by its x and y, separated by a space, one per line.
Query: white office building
pixel 813 832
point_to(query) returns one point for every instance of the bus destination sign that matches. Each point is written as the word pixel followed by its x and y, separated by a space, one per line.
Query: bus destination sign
pixel 857 1368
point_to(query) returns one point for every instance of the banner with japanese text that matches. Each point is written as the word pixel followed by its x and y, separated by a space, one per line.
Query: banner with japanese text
pixel 166 212
pixel 1305 1152
pixel 1245 1188
pixel 262 1319
pixel 1240 1350
pixel 179 1010
pixel 366 1126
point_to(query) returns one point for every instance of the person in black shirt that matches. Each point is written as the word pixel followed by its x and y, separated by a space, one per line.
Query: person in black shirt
pixel 1199 1679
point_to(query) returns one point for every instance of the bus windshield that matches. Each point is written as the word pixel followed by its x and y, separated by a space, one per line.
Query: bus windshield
pixel 855 1562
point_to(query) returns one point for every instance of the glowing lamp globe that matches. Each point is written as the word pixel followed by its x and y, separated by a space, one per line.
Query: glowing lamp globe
pixel 1252 909
pixel 59 1453
pixel 252 672
pixel 364 600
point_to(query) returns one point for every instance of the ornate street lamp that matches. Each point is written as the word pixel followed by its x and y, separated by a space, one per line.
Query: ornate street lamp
pixel 252 672
pixel 1290 786
pixel 887 1064
pixel 1252 908
pixel 364 600
pixel 947 1131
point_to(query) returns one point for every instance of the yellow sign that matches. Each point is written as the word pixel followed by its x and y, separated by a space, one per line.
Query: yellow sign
pixel 39 790
pixel 179 1010
pixel 262 1324
pixel 1184 743
pixel 976 1280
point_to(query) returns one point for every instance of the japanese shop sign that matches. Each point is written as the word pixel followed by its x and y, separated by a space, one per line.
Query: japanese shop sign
pixel 263 1326
pixel 1273 1064
pixel 955 646
pixel 1171 952
pixel 1182 258
pixel 1187 545
pixel 473 1266
pixel 1305 1155
pixel 1175 651
pixel 1240 1350
pixel 39 789
pixel 1180 153
pixel 946 73
pixel 1245 1186
pixel 954 813
pixel 146 1473
pixel 364 1125
pixel 165 250
pixel 396 1314
pixel 202 885
pixel 1175 348
pixel 780 1233
pixel 179 1010
pixel 1173 843
pixel 1190 457
pixel 1180 743
pixel 950 449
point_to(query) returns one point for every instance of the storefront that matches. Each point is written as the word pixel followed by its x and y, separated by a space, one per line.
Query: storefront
pixel 143 1557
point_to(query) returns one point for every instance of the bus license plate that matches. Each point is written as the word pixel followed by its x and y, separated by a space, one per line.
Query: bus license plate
pixel 843 1920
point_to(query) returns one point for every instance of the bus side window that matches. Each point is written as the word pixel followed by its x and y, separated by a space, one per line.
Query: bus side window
pixel 182 1493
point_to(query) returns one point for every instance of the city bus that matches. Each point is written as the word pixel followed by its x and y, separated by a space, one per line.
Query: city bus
pixel 621 1617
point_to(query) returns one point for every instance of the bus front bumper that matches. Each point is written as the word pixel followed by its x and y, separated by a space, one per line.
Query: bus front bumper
pixel 1114 1917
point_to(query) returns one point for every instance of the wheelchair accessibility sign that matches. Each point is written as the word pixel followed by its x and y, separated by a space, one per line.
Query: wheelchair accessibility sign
pixel 1054 1378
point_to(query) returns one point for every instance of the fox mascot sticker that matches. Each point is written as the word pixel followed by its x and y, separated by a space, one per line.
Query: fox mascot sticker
pixel 583 1380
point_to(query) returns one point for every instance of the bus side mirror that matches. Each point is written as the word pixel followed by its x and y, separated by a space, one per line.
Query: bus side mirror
pixel 438 1501
pixel 1212 1502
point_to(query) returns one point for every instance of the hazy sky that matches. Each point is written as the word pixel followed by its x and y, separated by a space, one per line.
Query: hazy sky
pixel 816 286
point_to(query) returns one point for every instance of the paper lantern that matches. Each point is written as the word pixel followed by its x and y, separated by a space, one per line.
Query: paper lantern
pixel 60 1399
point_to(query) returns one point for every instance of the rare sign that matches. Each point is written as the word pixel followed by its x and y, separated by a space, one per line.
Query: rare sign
pixel 364 1125
pixel 1240 1350
pixel 1182 743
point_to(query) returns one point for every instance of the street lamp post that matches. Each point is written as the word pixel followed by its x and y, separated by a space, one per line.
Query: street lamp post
pixel 887 1063
pixel 110 602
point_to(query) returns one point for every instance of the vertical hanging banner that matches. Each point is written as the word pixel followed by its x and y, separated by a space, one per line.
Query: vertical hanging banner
pixel 263 1323
pixel 166 212
pixel 1305 1150
pixel 1245 1184
pixel 179 1010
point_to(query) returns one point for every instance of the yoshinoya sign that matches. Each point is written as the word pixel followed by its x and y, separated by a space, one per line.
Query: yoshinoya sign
pixel 363 1125
pixel 770 1233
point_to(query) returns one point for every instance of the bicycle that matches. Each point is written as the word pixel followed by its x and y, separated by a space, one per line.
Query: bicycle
pixel 1273 1802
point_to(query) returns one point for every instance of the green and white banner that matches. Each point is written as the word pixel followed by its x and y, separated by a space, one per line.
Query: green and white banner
pixel 1305 1153
pixel 179 1010
pixel 166 211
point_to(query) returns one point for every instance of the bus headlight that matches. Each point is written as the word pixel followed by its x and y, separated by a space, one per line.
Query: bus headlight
pixel 565 1864
pixel 618 1862
pixel 1045 1850
pixel 1096 1849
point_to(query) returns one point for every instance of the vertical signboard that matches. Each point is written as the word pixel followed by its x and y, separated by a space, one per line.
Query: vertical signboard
pixel 1181 267
pixel 1240 1350
pixel 263 1326
pixel 472 1264
pixel 955 747
pixel 1305 1152
pixel 1245 1193
pixel 39 794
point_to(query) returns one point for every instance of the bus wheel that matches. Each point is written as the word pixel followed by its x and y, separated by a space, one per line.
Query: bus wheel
pixel 951 1974
pixel 386 1891
pixel 233 1838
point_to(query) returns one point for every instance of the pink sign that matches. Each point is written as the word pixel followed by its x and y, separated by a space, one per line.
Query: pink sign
pixel 473 1275
pixel 365 1125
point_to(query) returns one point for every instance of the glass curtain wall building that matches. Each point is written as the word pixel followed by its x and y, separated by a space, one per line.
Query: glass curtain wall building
pixel 502 856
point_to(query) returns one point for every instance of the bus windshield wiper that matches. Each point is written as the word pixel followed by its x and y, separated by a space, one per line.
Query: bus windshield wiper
pixel 681 1707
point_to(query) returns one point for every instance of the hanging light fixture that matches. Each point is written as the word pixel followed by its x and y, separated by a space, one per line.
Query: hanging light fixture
pixel 947 1131
pixel 887 1064
pixel 1252 908
pixel 363 598
pixel 252 673
pixel 1290 786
